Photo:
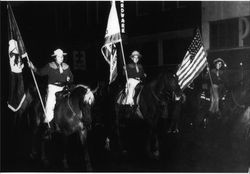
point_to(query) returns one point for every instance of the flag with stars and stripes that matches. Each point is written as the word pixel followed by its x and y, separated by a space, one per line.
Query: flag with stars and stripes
pixel 193 63
pixel 112 37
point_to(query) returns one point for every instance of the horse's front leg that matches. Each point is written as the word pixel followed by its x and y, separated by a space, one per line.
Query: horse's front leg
pixel 87 160
pixel 119 131
pixel 152 145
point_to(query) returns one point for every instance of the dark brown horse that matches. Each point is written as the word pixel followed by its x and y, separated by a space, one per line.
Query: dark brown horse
pixel 72 117
pixel 153 101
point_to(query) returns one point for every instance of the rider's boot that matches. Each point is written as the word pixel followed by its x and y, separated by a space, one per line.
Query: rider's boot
pixel 45 130
pixel 134 107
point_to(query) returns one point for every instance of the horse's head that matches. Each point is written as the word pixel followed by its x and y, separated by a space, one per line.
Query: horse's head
pixel 170 87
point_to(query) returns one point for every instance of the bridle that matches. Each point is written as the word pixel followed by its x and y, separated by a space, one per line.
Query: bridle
pixel 84 101
pixel 169 94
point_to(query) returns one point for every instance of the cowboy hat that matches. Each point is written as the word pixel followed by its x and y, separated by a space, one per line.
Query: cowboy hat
pixel 58 52
pixel 13 46
pixel 219 60
pixel 135 53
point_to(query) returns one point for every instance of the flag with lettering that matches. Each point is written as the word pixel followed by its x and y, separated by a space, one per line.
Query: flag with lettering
pixel 16 52
pixel 193 63
pixel 112 37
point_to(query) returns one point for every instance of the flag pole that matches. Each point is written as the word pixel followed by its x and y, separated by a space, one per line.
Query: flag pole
pixel 10 11
pixel 210 78
pixel 208 70
pixel 39 94
pixel 123 58
pixel 38 91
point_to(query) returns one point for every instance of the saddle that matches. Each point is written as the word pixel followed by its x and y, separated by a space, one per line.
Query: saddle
pixel 64 93
pixel 122 99
pixel 123 95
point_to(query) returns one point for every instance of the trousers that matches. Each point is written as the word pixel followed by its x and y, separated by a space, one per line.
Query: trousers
pixel 51 101
pixel 214 107
pixel 131 84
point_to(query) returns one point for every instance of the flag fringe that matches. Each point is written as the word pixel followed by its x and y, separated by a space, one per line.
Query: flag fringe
pixel 20 104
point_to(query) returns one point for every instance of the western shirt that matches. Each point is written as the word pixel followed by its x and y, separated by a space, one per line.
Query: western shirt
pixel 54 76
pixel 133 73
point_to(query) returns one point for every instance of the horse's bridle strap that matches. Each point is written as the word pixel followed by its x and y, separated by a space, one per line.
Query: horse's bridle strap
pixel 71 107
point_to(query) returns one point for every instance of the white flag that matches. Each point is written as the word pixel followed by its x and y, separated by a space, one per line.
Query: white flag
pixel 112 37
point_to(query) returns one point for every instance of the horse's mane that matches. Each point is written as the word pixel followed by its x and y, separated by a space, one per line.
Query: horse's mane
pixel 82 86
pixel 89 96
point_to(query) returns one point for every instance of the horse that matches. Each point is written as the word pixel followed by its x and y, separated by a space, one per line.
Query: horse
pixel 153 99
pixel 233 99
pixel 72 118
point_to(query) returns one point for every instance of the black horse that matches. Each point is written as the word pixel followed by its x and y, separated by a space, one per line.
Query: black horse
pixel 153 99
pixel 72 118
pixel 230 132
pixel 234 98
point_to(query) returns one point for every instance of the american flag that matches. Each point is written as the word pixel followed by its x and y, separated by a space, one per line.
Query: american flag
pixel 112 37
pixel 193 63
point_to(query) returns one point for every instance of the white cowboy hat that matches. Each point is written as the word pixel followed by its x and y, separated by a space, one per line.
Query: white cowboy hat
pixel 13 46
pixel 219 60
pixel 58 52
pixel 135 53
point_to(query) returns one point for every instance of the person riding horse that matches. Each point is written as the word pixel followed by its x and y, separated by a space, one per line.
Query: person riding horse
pixel 218 77
pixel 59 74
pixel 135 76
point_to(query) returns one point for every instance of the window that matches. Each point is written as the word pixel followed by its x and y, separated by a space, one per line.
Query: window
pixel 224 34
pixel 148 8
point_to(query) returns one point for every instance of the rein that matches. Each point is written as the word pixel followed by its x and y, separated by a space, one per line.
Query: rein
pixel 68 102
pixel 158 99
pixel 74 114
pixel 155 96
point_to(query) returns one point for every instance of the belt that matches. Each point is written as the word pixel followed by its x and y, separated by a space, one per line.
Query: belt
pixel 60 84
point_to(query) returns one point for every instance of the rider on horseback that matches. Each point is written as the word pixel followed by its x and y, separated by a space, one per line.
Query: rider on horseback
pixel 59 75
pixel 218 79
pixel 135 76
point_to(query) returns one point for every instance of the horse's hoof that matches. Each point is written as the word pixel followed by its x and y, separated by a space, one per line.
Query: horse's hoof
pixel 176 131
pixel 156 154
pixel 89 168
pixel 124 152
pixel 47 137
pixel 34 156
pixel 169 131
